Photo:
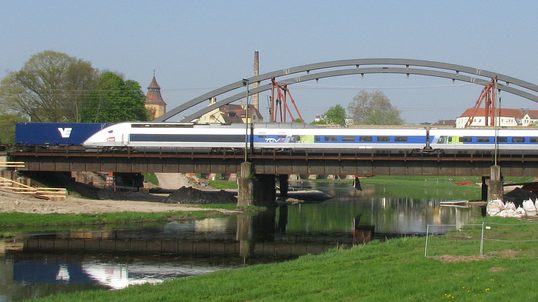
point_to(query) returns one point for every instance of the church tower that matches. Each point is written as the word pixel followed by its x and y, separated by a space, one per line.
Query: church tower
pixel 154 102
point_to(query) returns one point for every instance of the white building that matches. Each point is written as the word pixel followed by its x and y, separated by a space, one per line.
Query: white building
pixel 509 117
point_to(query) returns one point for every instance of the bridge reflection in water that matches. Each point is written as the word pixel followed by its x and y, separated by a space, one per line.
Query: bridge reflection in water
pixel 255 237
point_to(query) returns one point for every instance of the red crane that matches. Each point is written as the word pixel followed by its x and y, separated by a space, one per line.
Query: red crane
pixel 488 97
pixel 279 105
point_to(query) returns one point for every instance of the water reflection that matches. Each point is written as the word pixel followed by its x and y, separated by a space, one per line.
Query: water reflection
pixel 391 216
pixel 40 264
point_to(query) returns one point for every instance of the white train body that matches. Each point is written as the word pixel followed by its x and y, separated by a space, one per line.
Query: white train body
pixel 178 136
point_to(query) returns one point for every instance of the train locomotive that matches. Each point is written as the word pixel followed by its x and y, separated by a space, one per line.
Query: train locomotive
pixel 184 136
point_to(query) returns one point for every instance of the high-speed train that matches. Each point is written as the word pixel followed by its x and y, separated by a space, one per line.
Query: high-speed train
pixel 174 136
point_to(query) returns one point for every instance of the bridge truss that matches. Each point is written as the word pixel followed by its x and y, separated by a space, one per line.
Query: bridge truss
pixel 309 72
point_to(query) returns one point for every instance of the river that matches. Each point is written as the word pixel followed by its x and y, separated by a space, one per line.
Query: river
pixel 42 263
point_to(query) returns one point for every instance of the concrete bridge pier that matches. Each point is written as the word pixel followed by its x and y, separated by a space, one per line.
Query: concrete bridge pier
pixel 255 189
pixel 495 184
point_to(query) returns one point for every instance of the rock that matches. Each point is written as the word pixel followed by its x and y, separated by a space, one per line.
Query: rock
pixel 529 207
pixel 510 206
pixel 494 207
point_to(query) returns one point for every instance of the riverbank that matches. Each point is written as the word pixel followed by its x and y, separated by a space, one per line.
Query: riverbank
pixel 19 211
pixel 394 270
pixel 10 202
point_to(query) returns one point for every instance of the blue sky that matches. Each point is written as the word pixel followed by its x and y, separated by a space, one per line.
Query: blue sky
pixel 196 46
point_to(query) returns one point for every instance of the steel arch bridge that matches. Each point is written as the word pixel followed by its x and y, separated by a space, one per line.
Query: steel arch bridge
pixel 309 72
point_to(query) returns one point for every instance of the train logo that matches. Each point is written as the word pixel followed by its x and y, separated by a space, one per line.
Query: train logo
pixel 274 140
pixel 65 132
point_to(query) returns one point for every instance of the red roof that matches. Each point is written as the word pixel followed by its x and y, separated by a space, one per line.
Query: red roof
pixel 153 84
pixel 533 114
pixel 154 94
pixel 516 113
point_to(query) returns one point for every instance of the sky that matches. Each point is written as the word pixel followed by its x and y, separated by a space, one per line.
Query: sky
pixel 198 46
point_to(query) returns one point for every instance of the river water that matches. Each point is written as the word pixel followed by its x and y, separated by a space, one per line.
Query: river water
pixel 46 262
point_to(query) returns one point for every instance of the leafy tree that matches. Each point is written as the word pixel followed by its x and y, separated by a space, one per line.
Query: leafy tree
pixel 114 100
pixel 50 87
pixel 7 124
pixel 336 115
pixel 373 109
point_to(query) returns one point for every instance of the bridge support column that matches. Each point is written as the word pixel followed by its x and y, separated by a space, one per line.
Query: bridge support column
pixel 495 184
pixel 256 189
pixel 264 190
pixel 284 185
pixel 245 192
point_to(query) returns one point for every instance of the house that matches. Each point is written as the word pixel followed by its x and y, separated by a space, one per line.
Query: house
pixel 230 114
pixel 530 118
pixel 508 117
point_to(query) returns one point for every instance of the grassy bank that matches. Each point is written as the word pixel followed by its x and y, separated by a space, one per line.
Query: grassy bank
pixel 12 223
pixel 395 270
pixel 14 219
pixel 223 184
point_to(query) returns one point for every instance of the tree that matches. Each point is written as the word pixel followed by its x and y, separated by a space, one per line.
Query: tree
pixel 336 115
pixel 7 124
pixel 114 100
pixel 50 87
pixel 373 109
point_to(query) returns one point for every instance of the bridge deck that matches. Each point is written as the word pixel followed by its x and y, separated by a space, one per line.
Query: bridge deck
pixel 284 162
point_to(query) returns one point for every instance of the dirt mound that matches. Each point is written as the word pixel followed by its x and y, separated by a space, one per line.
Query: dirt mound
pixel 193 196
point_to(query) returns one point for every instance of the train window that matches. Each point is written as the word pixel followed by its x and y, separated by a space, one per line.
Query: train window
pixel 348 138
pixel 502 139
pixel 317 138
pixel 366 138
pixel 162 125
pixel 261 136
pixel 331 138
pixel 533 140
pixel 442 140
pixel 483 139
pixel 518 139
pixel 295 139
pixel 466 139
pixel 401 139
pixel 383 138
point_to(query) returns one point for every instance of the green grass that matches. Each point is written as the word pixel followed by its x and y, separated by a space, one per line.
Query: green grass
pixel 151 178
pixel 395 270
pixel 223 184
pixel 14 219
